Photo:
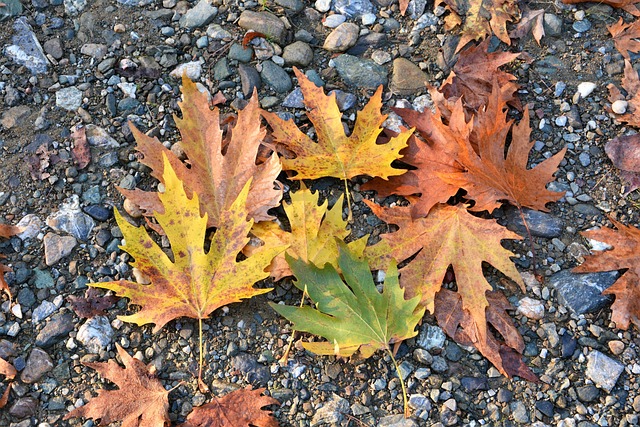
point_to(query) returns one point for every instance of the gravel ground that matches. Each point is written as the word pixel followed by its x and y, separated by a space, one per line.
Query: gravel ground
pixel 102 63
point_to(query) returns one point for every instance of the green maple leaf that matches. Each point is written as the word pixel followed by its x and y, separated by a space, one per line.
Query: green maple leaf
pixel 353 315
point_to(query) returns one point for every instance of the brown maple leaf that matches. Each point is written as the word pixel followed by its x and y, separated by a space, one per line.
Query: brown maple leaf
pixel 625 37
pixel 624 152
pixel 631 84
pixel 480 18
pixel 9 373
pixel 471 155
pixel 6 231
pixel 532 20
pixel 218 167
pixel 472 79
pixel 240 408
pixel 623 254
pixel 139 401
pixel 627 5
pixel 92 304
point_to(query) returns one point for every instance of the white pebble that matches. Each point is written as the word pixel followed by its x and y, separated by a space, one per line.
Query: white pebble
pixel 323 5
pixel 585 89
pixel 368 18
pixel 332 21
pixel 619 106
pixel 531 308
pixel 561 121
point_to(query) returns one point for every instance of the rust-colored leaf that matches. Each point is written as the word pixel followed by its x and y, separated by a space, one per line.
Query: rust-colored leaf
pixel 532 20
pixel 623 254
pixel 81 152
pixel 336 154
pixel 631 84
pixel 92 304
pixel 191 282
pixel 240 408
pixel 250 35
pixel 480 18
pixel 625 37
pixel 448 236
pixel 626 5
pixel 6 231
pixel 624 152
pixel 9 373
pixel 218 167
pixel 404 4
pixel 139 401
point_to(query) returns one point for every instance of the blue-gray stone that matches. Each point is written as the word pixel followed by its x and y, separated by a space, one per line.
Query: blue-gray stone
pixel 240 54
pixel 56 330
pixel 71 219
pixel 222 70
pixel 540 224
pixel 603 370
pixel 44 310
pixel 92 195
pixel 360 73
pixel 98 212
pixel 549 65
pixel 10 8
pixel 353 8
pixel 474 383
pixel 69 98
pixel 582 293
pixel 344 99
pixel 294 99
pixel 42 279
pixel 431 337
pixel 582 26
pixel 74 7
pixel 26 49
pixel 276 77
pixel 248 365
pixel 201 14
pixel 314 77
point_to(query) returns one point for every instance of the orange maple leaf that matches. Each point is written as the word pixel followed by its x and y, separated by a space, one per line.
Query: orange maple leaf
pixel 139 401
pixel 9 373
pixel 623 254
pixel 625 37
pixel 336 154
pixel 192 283
pixel 6 231
pixel 470 155
pixel 626 5
pixel 631 85
pixel 449 236
pixel 240 408
pixel 218 167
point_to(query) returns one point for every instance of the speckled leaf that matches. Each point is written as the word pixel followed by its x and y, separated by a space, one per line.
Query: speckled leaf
pixel 352 316
pixel 336 154
pixel 314 233
pixel 192 283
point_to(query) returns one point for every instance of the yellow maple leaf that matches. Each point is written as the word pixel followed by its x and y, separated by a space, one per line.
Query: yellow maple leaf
pixel 314 235
pixel 194 283
pixel 336 154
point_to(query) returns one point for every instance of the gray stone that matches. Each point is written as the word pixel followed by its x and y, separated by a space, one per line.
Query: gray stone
pixel 431 337
pixel 15 116
pixel 56 330
pixel 552 25
pixel 42 279
pixel 416 8
pixel 44 310
pixel 94 50
pixel 603 370
pixel 407 78
pixel 549 65
pixel 332 412
pixel 252 371
pixel 31 226
pixel 11 8
pixel 249 79
pixel 360 73
pixel 222 70
pixel 588 393
pixel 439 364
pixel 38 364
pixel 540 224
pixel 342 38
pixel 216 32
pixel 69 98
pixel 74 7
pixel 26 49
pixel 274 76
pixel 294 99
pixel 57 247
pixel 192 69
pixel 71 219
pixel 54 48
pixel 240 54
pixel 24 407
pixel 582 26
pixel 98 137
pixel 368 41
pixel 344 99
pixel 423 356
pixel 332 21
pixel 201 14
pixel 298 53
pixel 265 23
pixel 396 421
pixel 582 293
pixel 294 5
pixel 353 8
pixel 519 412
pixel 96 333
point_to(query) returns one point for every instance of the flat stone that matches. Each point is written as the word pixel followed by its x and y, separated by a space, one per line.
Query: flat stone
pixel 265 23
pixel 95 334
pixel 552 25
pixel 360 73
pixel 54 48
pixel 298 53
pixel 588 393
pixel 57 247
pixel 474 383
pixel 44 310
pixel 582 293
pixel 38 364
pixel 253 371
pixel 31 226
pixel 98 137
pixel 294 99
pixel 407 78
pixel 331 412
pixel 56 330
pixel 332 21
pixel 24 407
pixel 293 5
pixel 249 79
pixel 431 337
pixel 69 98
pixel 531 308
pixel 396 421
pixel 276 77
pixel 222 70
pixel 342 37
pixel 192 69
pixel 26 49
pixel 74 7
pixel 603 370
pixel 199 15
pixel 94 50
pixel 239 53
pixel 15 116
pixel 519 412
pixel 540 224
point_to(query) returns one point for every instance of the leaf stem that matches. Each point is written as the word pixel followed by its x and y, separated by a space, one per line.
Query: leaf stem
pixel 348 197
pixel 285 356
pixel 533 250
pixel 404 388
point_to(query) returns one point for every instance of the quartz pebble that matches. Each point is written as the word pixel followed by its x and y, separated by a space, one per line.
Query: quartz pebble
pixel 585 89
pixel 619 106
pixel 531 308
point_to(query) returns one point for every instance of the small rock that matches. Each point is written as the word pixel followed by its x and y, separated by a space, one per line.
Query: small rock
pixel 380 57
pixel 15 116
pixel 344 100
pixel 54 48
pixel 239 53
pixel 552 25
pixel 94 50
pixel 431 337
pixel 531 308
pixel 298 53
pixel 360 73
pixel 396 421
pixel 368 19
pixel 26 49
pixel 603 370
pixel 585 89
pixel 407 78
pixel 540 224
pixel 569 345
pixel 342 38
pixel 222 70
pixel 253 372
pixel 265 23
pixel 519 412
pixel 277 78
pixel 249 78
pixel 545 407
pixel 71 219
pixel 471 384
pixel 353 8
pixel 616 347
pixel 504 395
pixel 69 98
pixel 582 293
pixel 216 32
pixel 57 247
pixel 96 333
pixel 38 364
pixel 24 407
pixel 619 106
pixel 332 412
pixel 322 5
pixel 56 330
pixel 582 26
pixel 294 99
pixel 192 69
pixel 293 5
pixel 98 137
pixel 588 393
pixel 201 14
pixel 333 21
pixel 44 310
pixel 11 8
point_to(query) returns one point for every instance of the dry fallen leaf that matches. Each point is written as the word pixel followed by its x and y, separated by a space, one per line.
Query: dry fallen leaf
pixel 623 254
pixel 81 152
pixel 314 233
pixel 92 304
pixel 9 373
pixel 218 167
pixel 532 20
pixel 631 84
pixel 191 283
pixel 627 5
pixel 139 401
pixel 625 37
pixel 336 154
pixel 624 152
pixel 240 408
pixel 6 231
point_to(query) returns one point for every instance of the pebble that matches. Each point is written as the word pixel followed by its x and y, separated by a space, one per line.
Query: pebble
pixel 353 8
pixel 252 371
pixel 15 116
pixel 619 106
pixel 545 407
pixel 552 25
pixel 95 334
pixel 588 393
pixel 431 337
pixel 265 23
pixel 192 69
pixel 342 37
pixel 323 5
pixel 10 8
pixel 239 53
pixel 396 421
pixel 200 15
pixel 38 364
pixel 69 218
pixel 582 26
pixel 57 247
pixel 44 310
pixel 274 76
pixel 531 308
pixel 24 407
pixel 471 384
pixel 380 57
pixel 368 19
pixel 603 370
pixel 294 99
pixel 616 347
pixel 407 78
pixel 26 49
pixel 585 89
pixel 581 293
pixel 540 224
pixel 333 21
pixel 69 98
pixel 249 78
pixel 54 47
pixel 298 54
pixel 519 412
pixel 56 330
pixel 94 50
pixel 357 72
pixel 332 412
